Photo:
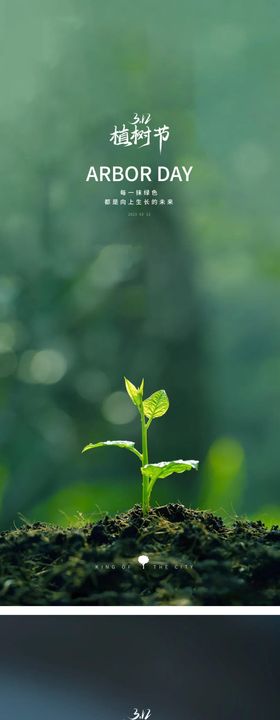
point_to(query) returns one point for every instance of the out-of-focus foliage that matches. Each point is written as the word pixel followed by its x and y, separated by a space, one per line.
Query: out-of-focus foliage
pixel 224 476
pixel 188 297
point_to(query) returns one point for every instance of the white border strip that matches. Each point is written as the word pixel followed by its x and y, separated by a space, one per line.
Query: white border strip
pixel 138 610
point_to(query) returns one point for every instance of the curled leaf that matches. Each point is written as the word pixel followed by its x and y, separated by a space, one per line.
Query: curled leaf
pixel 127 444
pixel 134 393
pixel 163 469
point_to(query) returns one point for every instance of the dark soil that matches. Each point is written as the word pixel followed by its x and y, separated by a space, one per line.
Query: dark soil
pixel 194 559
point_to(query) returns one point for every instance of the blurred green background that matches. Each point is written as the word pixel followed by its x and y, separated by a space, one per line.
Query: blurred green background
pixel 187 298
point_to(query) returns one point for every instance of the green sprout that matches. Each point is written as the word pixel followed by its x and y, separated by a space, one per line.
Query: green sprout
pixel 153 407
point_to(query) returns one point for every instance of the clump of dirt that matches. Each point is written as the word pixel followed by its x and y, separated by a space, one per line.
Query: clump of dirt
pixel 194 559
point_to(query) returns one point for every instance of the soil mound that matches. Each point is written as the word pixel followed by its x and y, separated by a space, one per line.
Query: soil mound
pixel 194 559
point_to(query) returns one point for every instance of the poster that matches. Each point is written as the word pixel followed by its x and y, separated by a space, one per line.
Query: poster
pixel 139 304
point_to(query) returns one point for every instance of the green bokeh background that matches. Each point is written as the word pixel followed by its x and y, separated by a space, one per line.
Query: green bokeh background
pixel 188 297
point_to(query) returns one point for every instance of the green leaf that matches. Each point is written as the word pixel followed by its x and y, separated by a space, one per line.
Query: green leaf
pixel 156 405
pixel 163 469
pixel 127 444
pixel 134 393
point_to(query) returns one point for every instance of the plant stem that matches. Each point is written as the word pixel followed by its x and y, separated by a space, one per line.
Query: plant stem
pixel 145 460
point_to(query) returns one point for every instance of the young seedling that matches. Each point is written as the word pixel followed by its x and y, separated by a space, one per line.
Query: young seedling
pixel 153 407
